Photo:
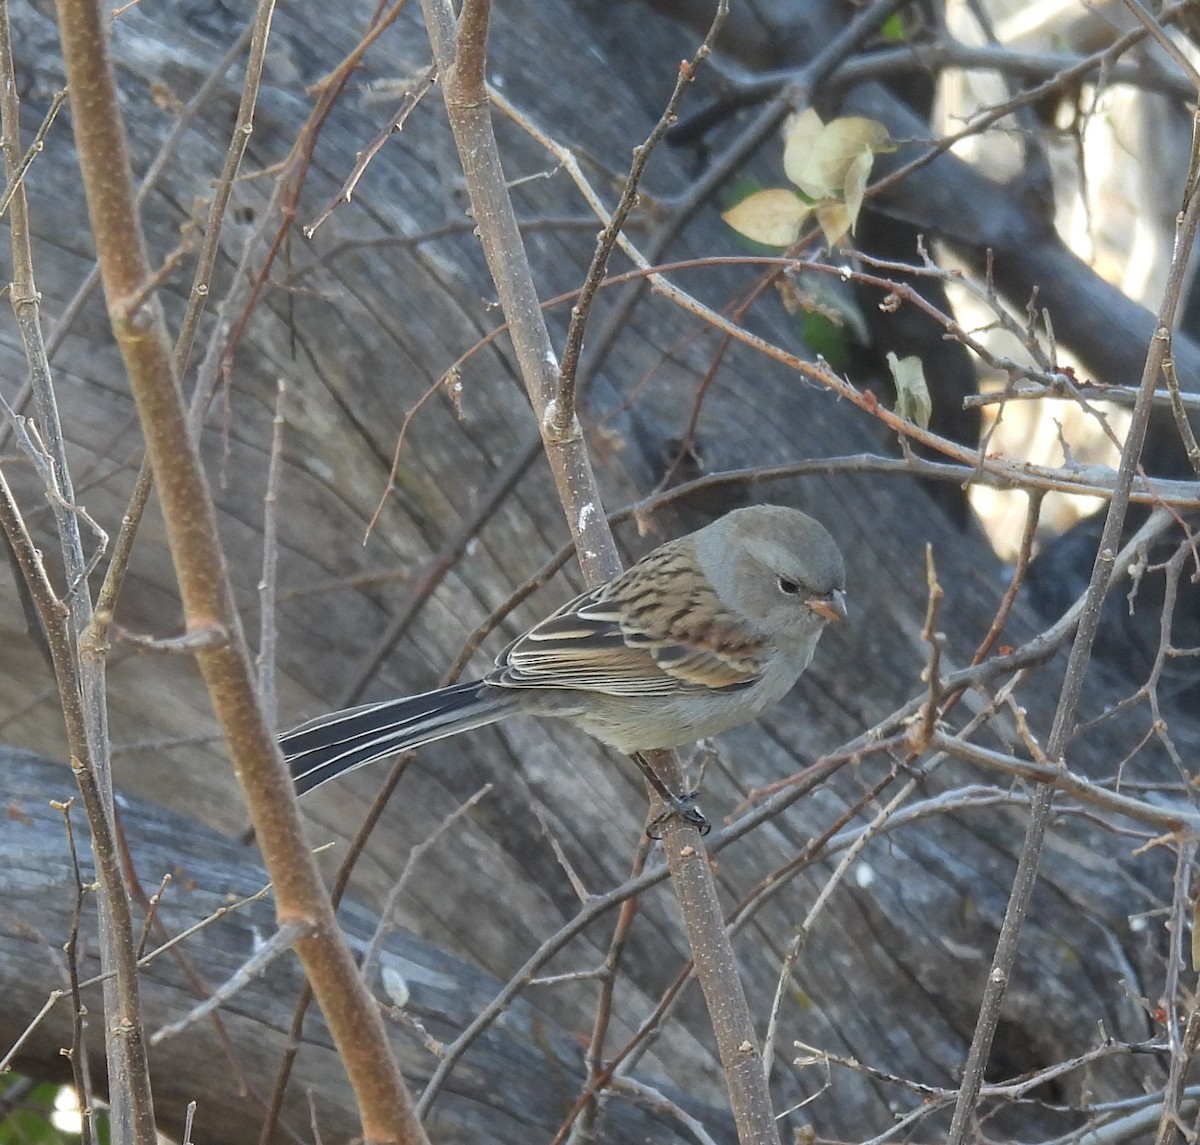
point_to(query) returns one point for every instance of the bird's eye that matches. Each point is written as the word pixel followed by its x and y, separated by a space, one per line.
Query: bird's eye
pixel 790 587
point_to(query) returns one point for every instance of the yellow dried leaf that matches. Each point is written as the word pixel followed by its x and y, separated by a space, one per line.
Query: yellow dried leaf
pixel 799 135
pixel 822 172
pixel 834 220
pixel 857 175
pixel 772 217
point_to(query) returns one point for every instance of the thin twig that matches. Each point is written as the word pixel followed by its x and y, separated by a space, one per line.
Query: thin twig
pixel 643 1094
pixel 1180 402
pixel 804 930
pixel 937 643
pixel 78 1052
pixel 438 567
pixel 1182 1037
pixel 1064 717
pixel 1050 777
pixel 280 942
pixel 37 1019
pixel 564 399
pixel 1160 37
pixel 1063 387
pixel 594 1055
pixel 370 956
pixel 15 177
pixel 268 584
pixel 260 33
pixel 362 160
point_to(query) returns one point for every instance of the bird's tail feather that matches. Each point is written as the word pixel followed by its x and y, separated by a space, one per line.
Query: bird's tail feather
pixel 331 745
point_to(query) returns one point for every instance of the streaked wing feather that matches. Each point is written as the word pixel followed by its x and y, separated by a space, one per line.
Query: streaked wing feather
pixel 621 639
pixel 701 666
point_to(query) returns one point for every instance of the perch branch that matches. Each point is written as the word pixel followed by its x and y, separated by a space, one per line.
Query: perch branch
pixel 460 51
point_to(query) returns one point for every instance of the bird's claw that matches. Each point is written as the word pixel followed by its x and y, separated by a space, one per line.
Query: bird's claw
pixel 685 807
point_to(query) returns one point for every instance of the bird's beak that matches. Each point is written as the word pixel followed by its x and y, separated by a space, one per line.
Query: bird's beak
pixel 831 607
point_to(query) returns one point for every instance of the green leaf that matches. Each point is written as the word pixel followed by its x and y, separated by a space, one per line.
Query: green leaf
pixel 28 1123
pixel 822 335
pixel 892 29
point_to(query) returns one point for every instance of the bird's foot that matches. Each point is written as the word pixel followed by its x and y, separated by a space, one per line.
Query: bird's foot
pixel 683 806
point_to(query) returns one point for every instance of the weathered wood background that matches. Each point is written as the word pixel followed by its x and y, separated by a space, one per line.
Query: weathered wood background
pixel 359 323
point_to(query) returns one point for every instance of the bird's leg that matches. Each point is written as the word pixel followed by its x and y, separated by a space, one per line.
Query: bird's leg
pixel 682 805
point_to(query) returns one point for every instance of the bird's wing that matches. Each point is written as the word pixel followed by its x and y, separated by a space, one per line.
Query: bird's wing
pixel 630 638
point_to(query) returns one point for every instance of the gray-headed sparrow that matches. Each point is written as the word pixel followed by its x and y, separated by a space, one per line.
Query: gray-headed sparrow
pixel 700 635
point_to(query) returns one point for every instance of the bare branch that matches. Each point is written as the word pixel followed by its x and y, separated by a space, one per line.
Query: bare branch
pixel 353 1018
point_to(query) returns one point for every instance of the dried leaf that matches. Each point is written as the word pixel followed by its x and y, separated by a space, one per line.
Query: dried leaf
pixel 834 220
pixel 822 171
pixel 857 176
pixel 772 217
pixel 912 393
pixel 800 135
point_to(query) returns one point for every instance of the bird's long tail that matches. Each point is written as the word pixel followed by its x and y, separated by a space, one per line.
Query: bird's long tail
pixel 330 745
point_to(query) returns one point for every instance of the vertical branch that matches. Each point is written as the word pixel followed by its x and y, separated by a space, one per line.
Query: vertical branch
pixel 585 1128
pixel 1183 1034
pixel 78 1055
pixel 125 1044
pixel 198 296
pixel 27 311
pixel 460 60
pixel 79 667
pixel 268 581
pixel 460 53
pixel 302 903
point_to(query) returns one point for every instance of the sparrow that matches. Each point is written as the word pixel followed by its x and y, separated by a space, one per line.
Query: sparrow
pixel 702 634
